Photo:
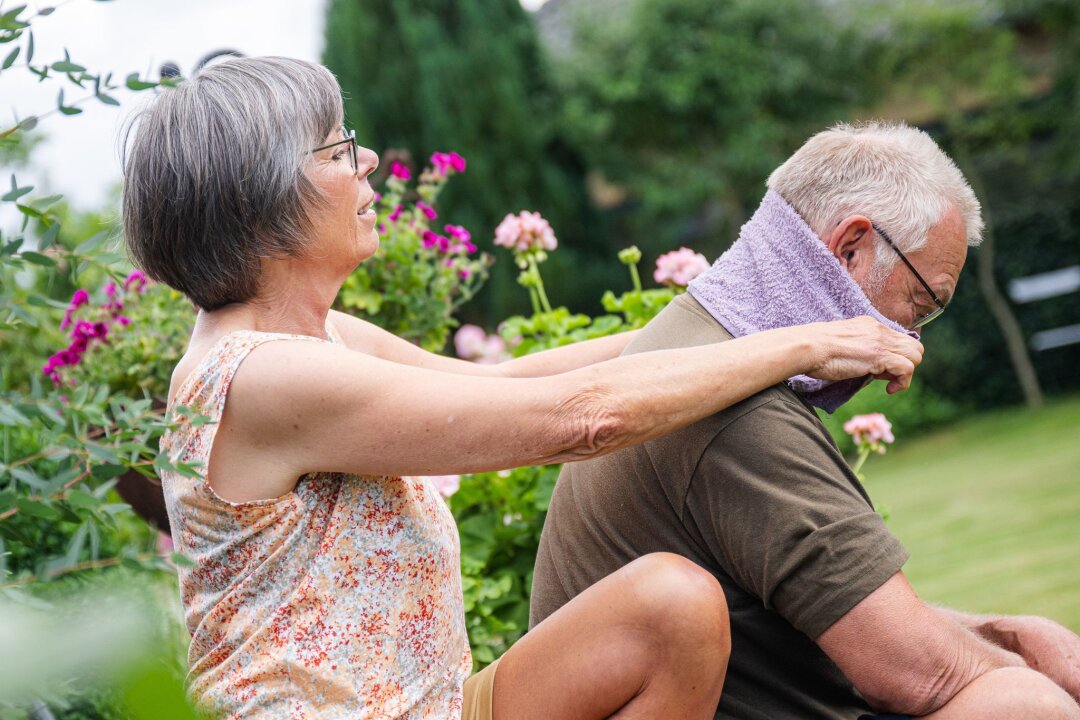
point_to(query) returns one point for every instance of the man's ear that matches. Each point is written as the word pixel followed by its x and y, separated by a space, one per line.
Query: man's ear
pixel 852 242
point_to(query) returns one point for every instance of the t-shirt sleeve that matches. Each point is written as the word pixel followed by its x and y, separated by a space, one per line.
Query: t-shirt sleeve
pixel 785 517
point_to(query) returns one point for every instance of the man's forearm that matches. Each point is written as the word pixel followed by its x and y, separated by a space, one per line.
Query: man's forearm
pixel 565 359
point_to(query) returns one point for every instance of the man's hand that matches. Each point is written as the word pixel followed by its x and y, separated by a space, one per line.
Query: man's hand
pixel 1045 646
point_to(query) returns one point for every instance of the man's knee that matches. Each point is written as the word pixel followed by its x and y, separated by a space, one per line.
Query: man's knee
pixel 1016 692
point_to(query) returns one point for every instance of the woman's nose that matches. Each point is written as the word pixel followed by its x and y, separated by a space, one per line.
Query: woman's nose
pixel 366 161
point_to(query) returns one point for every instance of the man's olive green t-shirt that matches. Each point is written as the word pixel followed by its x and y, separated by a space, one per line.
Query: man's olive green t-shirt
pixel 757 494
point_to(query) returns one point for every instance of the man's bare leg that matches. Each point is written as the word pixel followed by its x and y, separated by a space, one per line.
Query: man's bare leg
pixel 649 641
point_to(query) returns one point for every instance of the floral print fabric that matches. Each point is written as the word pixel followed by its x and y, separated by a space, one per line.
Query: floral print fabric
pixel 340 599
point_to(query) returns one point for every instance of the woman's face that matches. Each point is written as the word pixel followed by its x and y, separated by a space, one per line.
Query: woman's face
pixel 345 227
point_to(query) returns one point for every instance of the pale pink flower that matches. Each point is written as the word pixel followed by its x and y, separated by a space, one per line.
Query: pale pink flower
pixel 679 267
pixel 871 429
pixel 164 544
pixel 447 485
pixel 472 343
pixel 525 232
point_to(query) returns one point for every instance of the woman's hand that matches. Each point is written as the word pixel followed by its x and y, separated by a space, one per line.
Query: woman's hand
pixel 862 346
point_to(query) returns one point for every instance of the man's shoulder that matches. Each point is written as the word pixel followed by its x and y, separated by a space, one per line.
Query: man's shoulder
pixel 685 323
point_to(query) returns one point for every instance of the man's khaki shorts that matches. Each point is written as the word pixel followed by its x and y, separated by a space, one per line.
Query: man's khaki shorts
pixel 478 691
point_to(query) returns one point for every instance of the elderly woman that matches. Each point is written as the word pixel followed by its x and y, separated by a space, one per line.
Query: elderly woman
pixel 326 581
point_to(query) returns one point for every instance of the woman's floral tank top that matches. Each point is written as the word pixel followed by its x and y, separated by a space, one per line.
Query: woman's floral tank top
pixel 340 599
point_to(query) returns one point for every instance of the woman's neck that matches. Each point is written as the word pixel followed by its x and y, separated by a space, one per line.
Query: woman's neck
pixel 290 301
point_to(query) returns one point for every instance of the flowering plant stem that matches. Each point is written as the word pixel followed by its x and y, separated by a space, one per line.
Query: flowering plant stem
pixel 634 277
pixel 538 289
pixel 864 452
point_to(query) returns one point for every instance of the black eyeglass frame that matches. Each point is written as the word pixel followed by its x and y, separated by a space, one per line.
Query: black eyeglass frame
pixel 919 322
pixel 350 139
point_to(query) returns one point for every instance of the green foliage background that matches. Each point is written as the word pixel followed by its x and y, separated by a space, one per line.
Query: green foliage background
pixel 678 107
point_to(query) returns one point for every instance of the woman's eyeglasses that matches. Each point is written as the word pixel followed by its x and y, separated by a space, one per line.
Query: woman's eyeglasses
pixel 920 321
pixel 351 139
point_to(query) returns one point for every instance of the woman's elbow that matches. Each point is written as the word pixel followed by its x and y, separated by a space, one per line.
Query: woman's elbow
pixel 587 425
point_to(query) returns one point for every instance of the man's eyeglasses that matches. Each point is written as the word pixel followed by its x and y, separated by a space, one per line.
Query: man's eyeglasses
pixel 919 321
pixel 350 137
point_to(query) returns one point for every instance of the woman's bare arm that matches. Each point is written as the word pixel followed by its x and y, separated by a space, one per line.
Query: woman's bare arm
pixel 369 338
pixel 315 406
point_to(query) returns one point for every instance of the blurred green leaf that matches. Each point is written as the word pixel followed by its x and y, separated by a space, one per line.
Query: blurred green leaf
pixel 37 258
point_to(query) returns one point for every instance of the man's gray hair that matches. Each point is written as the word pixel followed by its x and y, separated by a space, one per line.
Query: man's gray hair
pixel 893 174
pixel 213 174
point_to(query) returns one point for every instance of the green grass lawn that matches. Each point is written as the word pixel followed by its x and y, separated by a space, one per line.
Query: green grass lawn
pixel 990 510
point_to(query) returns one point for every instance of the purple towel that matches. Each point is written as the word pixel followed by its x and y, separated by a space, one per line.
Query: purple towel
pixel 777 274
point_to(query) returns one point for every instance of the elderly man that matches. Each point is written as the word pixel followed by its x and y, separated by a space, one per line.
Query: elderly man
pixel 861 220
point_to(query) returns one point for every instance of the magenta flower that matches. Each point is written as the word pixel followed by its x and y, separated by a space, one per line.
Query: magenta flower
pixel 428 211
pixel 525 232
pixel 80 298
pixel 432 239
pixel 445 163
pixel 679 267
pixel 400 171
pixel 393 216
pixel 458 232
pixel 136 278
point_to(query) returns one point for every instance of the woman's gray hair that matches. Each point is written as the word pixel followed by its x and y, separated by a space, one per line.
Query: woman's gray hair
pixel 213 174
pixel 893 174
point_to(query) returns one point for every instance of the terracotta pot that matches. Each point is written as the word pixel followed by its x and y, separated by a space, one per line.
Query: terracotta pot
pixel 146 498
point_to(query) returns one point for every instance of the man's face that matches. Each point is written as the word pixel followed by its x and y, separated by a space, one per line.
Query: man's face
pixel 900 297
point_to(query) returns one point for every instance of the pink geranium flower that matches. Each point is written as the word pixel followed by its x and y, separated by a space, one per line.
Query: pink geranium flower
pixel 872 430
pixel 679 267
pixel 400 171
pixel 472 343
pixel 525 232
pixel 447 485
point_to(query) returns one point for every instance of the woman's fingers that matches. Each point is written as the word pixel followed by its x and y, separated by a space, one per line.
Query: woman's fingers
pixel 863 346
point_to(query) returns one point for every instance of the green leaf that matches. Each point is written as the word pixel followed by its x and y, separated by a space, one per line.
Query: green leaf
pixel 82 500
pixel 12 247
pixel 91 243
pixel 181 560
pixel 66 66
pixel 107 99
pixel 46 12
pixel 49 237
pixel 102 452
pixel 28 124
pixel 108 471
pixel 37 258
pixel 11 57
pixel 30 47
pixel 134 83
pixel 16 192
pixel 11 15
pixel 37 509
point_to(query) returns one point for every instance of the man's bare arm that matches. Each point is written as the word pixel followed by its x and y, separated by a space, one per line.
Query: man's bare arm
pixel 905 656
